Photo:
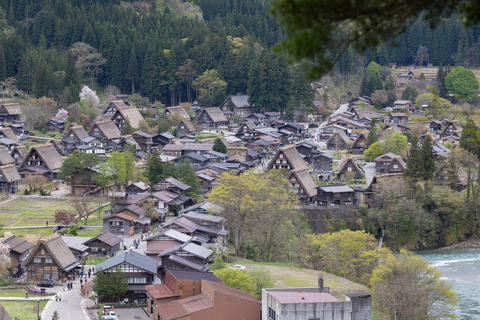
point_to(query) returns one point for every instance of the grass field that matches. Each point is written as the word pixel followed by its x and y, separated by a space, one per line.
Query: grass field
pixel 25 310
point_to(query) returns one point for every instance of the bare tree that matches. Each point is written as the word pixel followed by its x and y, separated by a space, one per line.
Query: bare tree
pixel 87 61
pixel 422 56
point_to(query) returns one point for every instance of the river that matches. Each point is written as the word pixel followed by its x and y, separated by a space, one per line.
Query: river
pixel 461 267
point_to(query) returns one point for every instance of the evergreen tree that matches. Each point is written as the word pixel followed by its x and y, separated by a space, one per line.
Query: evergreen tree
pixel 154 168
pixel 414 168
pixel 186 173
pixel 389 83
pixel 442 90
pixel 365 89
pixel 428 159
pixel 219 146
pixel 132 72
pixel 373 134
pixel 127 128
pixel 470 139
pixel 3 65
pixel 11 14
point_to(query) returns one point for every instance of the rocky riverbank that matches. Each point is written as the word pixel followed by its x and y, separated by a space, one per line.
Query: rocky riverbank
pixel 472 242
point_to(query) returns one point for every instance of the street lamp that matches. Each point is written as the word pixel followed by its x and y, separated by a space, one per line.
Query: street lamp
pixel 42 291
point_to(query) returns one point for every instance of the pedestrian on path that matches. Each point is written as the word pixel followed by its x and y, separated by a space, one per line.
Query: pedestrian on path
pixel 81 281
pixel 89 273
pixel 26 294
pixel 47 223
pixel 56 298
pixel 60 297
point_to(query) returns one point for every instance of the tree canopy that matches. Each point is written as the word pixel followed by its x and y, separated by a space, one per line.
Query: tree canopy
pixel 463 83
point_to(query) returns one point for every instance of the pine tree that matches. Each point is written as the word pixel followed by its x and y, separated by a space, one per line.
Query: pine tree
pixel 3 66
pixel 442 90
pixel 219 146
pixel 428 159
pixel 373 134
pixel 364 86
pixel 127 128
pixel 414 161
pixel 132 72
pixel 469 139
pixel 11 14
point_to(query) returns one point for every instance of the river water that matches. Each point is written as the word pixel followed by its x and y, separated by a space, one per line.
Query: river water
pixel 461 267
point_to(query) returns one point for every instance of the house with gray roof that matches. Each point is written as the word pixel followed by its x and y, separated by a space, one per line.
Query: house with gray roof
pixel 139 270
pixel 211 118
pixel 187 256
pixel 19 250
pixel 239 104
pixel 335 195
pixel 105 244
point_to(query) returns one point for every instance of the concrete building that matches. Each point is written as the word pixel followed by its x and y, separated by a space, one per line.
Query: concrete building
pixel 314 303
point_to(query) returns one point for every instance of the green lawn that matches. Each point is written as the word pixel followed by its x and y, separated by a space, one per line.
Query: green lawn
pixel 95 260
pixel 20 292
pixel 206 135
pixel 24 310
pixel 89 232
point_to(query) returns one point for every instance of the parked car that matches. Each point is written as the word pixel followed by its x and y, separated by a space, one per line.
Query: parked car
pixel 238 267
pixel 46 283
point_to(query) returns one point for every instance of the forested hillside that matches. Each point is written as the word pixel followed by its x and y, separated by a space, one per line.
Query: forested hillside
pixel 153 47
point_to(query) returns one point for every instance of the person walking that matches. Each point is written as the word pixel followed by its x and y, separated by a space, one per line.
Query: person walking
pixel 81 281
pixel 26 294
pixel 89 272
pixel 60 297
pixel 56 297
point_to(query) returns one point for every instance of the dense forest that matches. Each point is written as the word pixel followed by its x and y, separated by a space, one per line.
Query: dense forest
pixel 52 47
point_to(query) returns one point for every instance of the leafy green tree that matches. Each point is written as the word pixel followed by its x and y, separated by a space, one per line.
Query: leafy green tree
pixel 409 94
pixel 79 163
pixel 262 278
pixel 428 159
pixel 219 146
pixel 110 285
pixel 234 278
pixel 211 89
pixel 470 139
pixel 380 99
pixel 396 143
pixel 462 83
pixel 186 74
pixel 154 169
pixel 406 287
pixel 218 264
pixel 374 151
pixel 185 172
pixel 390 84
pixel 118 170
pixel 127 128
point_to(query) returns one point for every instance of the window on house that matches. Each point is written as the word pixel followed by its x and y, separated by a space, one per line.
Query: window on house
pixel 277 161
pixel 37 260
pixel 395 166
pixel 349 169
pixel 48 260
pixel 272 315
pixel 281 155
pixel 294 179
pixel 42 251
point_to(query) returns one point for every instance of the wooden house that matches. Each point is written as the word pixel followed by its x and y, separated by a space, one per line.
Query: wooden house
pixel 10 112
pixel 398 117
pixel 258 118
pixel 322 162
pixel 306 148
pixel 19 250
pixel 287 158
pixel 239 105
pixel 172 185
pixel 105 131
pixel 178 111
pixel 9 178
pixel 74 136
pixel 349 168
pixel 131 114
pixel 296 129
pixel 184 149
pixel 187 256
pixel 352 127
pixel 42 159
pixel 139 270
pixel 119 224
pixel 404 78
pixel 444 174
pixel 137 187
pixel 144 140
pixel 338 141
pixel 363 111
pixel 106 244
pixel 55 125
pixel 211 118
pixel 50 259
pixel 114 106
pixel 303 185
pixel 389 163
pixel 7 132
pixel 403 105
pixel 18 153
pixel 360 101
pixel 453 128
pixel 453 140
pixel 435 126
pixel 335 195
pixel 360 144
pixel 186 127
pixel 5 156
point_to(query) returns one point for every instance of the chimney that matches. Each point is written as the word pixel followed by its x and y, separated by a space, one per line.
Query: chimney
pixel 320 284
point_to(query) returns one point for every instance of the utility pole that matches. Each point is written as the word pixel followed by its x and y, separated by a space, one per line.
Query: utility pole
pixel 290 243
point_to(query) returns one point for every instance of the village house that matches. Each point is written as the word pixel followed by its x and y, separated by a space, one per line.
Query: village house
pixel 452 140
pixel 137 187
pixel 306 148
pixel 322 162
pixel 159 242
pixel 296 129
pixel 92 145
pixel 19 250
pixel 9 144
pixel 272 116
pixel 187 256
pixel 139 270
pixel 76 246
pixel 360 144
pixel 144 140
pixel 179 150
pixel 188 226
pixel 435 126
pixel 196 160
pixel 335 195
pixel 398 117
pixel 7 132
pixel 9 179
pixel 239 105
pixel 172 185
pixel 18 153
pixel 185 127
pixel 287 158
pixel 349 169
pixel 55 125
pixel 5 156
pixel 314 303
pixel 303 185
pixel 114 106
pixel 453 128
pixel 389 163
pixel 247 131
pixel 216 301
pixel 74 137
pixel 10 112
pixel 404 78
pixel 214 156
pixel 42 159
pixel 402 105
pixel 258 118
pixel 363 111
pixel 338 141
pixel 119 224
pixel 178 111
pixel 19 128
pixel 106 244
pixel 352 127
pixel 105 131
pixel 206 181
pixel 50 259
pixel 130 114
pixel 211 118
pixel 360 101
pixel 455 177
pixel 177 285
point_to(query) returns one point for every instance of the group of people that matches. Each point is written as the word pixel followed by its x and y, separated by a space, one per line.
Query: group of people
pixel 58 297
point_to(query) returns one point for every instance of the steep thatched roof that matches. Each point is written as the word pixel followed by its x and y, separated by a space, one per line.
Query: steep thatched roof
pixel 292 155
pixel 306 181
pixel 57 248
pixel 78 131
pixel 339 133
pixel 343 163
pixel 5 157
pixel 49 155
pixel 10 173
pixel 188 125
pixel 133 115
pixel 215 114
pixel 178 110
pixel 8 133
pixel 108 128
pixel 12 108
